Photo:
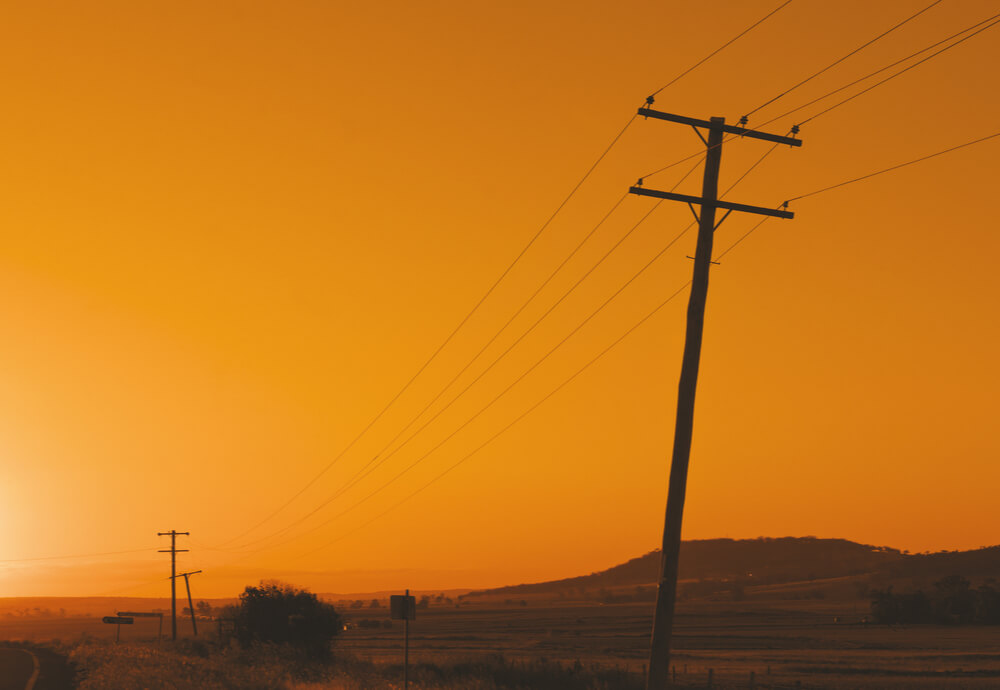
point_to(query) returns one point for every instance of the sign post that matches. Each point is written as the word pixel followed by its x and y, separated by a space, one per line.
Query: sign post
pixel 142 614
pixel 118 621
pixel 404 607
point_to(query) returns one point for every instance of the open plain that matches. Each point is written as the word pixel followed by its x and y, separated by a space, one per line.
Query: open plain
pixel 780 644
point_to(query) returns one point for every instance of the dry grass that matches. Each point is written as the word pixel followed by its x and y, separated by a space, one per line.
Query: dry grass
pixel 154 666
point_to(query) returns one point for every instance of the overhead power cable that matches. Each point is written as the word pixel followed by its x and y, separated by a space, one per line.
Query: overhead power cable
pixel 895 167
pixel 516 381
pixel 995 19
pixel 902 71
pixel 878 71
pixel 517 419
pixel 383 457
pixel 502 393
pixel 857 179
pixel 838 61
pixel 475 308
pixel 719 49
pixel 447 340
pixel 742 237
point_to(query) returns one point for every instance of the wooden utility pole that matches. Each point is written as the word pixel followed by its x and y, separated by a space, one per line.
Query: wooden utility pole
pixel 187 584
pixel 663 618
pixel 173 551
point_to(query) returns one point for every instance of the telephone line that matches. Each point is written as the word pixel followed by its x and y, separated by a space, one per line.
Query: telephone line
pixel 895 167
pixel 433 356
pixel 509 425
pixel 719 50
pixel 509 387
pixel 447 340
pixel 879 71
pixel 902 71
pixel 382 457
pixel 838 61
pixel 857 179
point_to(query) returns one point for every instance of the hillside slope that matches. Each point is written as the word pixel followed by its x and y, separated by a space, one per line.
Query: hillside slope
pixel 775 560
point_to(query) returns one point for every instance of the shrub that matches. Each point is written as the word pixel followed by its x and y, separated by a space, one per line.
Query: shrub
pixel 278 613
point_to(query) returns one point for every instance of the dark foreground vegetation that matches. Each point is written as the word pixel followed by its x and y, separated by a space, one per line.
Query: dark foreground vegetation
pixel 277 613
pixel 105 666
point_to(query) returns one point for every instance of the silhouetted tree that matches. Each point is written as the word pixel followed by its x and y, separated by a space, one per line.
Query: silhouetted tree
pixel 955 601
pixel 952 601
pixel 278 613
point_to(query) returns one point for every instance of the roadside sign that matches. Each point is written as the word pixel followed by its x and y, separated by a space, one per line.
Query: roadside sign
pixel 120 620
pixel 403 607
pixel 144 614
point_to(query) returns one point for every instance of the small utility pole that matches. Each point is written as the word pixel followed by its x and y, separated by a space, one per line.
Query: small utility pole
pixel 187 584
pixel 406 649
pixel 173 551
pixel 404 607
pixel 663 618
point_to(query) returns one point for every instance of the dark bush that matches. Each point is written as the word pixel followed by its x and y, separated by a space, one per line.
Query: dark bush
pixel 278 613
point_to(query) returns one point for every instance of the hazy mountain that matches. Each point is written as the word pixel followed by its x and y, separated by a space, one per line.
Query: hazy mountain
pixel 776 560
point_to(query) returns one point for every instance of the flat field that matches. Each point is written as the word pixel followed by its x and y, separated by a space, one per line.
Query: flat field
pixel 811 644
pixel 782 643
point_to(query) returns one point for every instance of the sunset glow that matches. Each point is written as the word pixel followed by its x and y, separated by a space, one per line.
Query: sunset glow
pixel 232 232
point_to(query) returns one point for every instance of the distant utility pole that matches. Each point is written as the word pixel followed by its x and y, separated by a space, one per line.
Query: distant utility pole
pixel 666 593
pixel 173 551
pixel 187 584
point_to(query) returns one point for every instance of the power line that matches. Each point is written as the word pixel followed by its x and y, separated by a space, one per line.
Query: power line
pixel 718 50
pixel 382 457
pixel 475 308
pixel 839 60
pixel 857 179
pixel 878 71
pixel 447 340
pixel 517 419
pixel 742 237
pixel 902 71
pixel 516 381
pixel 895 167
pixel 496 398
pixel 837 90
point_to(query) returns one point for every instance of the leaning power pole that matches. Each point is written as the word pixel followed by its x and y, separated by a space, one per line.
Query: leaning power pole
pixel 666 593
pixel 187 584
pixel 173 551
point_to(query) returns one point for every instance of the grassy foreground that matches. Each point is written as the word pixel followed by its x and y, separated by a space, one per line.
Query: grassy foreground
pixel 155 666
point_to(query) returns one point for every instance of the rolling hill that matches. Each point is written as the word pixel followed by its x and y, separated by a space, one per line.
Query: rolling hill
pixel 770 561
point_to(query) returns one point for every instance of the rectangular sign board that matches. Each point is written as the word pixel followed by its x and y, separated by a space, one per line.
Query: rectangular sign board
pixel 140 614
pixel 120 620
pixel 402 607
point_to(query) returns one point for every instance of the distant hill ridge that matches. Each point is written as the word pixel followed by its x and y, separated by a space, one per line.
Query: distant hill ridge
pixel 775 560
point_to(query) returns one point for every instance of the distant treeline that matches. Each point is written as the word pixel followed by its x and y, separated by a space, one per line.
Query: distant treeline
pixel 953 600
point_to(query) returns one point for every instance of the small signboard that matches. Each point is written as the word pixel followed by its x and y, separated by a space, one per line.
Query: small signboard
pixel 403 607
pixel 119 620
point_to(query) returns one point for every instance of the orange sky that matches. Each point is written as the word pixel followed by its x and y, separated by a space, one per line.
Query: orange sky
pixel 233 230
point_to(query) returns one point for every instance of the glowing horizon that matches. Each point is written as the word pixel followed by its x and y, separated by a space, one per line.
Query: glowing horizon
pixel 235 231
